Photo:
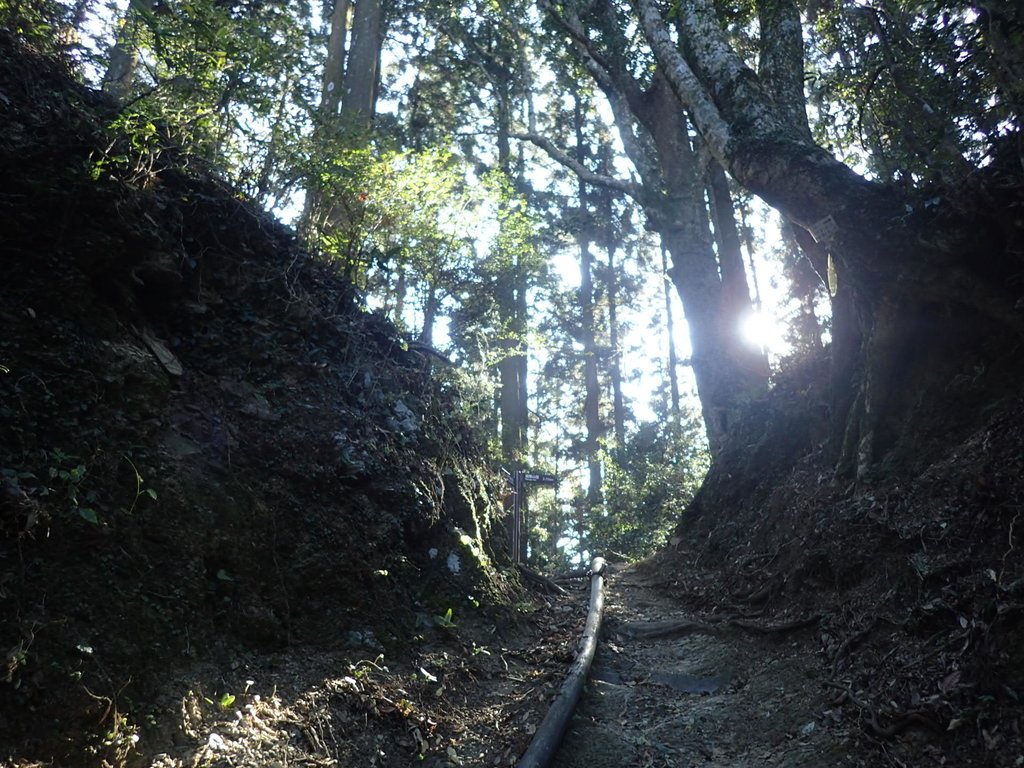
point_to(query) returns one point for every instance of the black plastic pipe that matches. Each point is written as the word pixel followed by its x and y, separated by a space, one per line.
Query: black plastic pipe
pixel 549 735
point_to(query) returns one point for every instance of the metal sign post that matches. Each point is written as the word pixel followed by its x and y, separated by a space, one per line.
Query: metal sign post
pixel 517 516
pixel 520 531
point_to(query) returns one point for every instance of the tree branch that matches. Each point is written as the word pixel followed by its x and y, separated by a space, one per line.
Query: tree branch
pixel 573 27
pixel 634 191
pixel 618 88
pixel 781 60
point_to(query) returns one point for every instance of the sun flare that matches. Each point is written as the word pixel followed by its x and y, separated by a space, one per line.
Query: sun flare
pixel 766 332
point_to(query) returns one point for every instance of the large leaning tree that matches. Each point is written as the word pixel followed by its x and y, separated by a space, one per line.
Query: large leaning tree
pixel 670 188
pixel 930 278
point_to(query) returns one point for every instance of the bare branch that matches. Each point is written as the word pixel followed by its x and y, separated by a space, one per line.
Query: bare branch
pixel 584 174
pixel 620 90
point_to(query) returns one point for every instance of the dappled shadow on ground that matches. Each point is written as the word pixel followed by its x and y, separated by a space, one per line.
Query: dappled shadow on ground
pixel 466 694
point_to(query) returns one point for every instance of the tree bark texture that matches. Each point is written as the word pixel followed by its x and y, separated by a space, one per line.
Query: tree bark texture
pixel 735 290
pixel 513 311
pixel 588 322
pixel 874 238
pixel 362 69
pixel 615 360
pixel 347 98
pixel 781 61
pixel 512 368
pixel 670 330
pixel 431 305
pixel 123 56
pixel 728 370
pixel 591 381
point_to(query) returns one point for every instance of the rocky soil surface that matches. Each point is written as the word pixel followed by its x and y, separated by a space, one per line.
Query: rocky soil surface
pixel 671 689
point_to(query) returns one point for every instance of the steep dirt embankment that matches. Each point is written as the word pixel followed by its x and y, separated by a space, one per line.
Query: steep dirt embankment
pixel 220 476
pixel 917 572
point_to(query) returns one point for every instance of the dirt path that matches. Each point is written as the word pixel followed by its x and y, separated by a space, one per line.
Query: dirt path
pixel 708 695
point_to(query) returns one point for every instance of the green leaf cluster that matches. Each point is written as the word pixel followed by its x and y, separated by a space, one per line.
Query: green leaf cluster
pixel 648 484
pixel 916 92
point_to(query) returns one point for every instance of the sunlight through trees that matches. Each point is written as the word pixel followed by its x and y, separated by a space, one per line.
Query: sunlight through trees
pixel 453 161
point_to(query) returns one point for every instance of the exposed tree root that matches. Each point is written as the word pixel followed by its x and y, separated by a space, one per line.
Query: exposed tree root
pixel 542 581
pixel 680 627
pixel 669 629
pixel 851 642
pixel 906 720
pixel 770 629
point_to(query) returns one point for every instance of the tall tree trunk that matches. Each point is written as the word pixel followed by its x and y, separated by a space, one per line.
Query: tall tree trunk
pixel 695 276
pixel 69 32
pixel 805 287
pixel 513 311
pixel 896 260
pixel 269 164
pixel 748 242
pixel 654 133
pixel 591 381
pixel 735 291
pixel 362 68
pixel 781 61
pixel 727 369
pixel 615 360
pixel 123 57
pixel 865 225
pixel 123 60
pixel 348 96
pixel 605 213
pixel 401 288
pixel 326 124
pixel 334 66
pixel 670 329
pixel 514 414
pixel 588 322
pixel 430 307
pixel 522 359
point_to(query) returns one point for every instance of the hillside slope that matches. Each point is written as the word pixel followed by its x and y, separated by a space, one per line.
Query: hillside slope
pixel 914 576
pixel 211 455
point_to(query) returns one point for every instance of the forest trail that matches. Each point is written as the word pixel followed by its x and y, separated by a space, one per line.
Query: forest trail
pixel 667 689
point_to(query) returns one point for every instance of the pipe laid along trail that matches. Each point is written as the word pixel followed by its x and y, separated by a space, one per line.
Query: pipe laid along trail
pixel 549 735
pixel 667 689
